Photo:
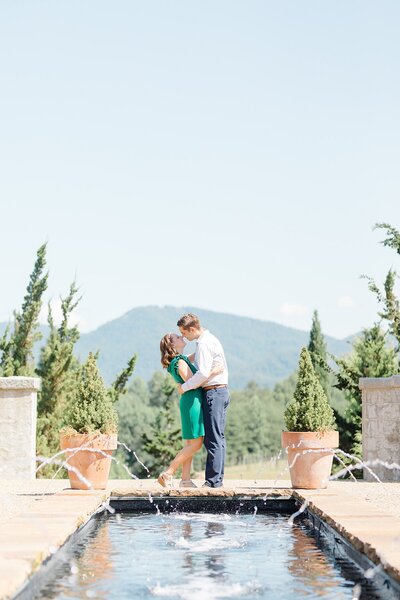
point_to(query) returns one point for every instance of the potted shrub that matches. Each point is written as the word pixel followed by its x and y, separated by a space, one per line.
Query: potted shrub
pixel 310 425
pixel 91 421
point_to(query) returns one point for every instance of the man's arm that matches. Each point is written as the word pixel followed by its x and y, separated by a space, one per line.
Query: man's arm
pixel 205 361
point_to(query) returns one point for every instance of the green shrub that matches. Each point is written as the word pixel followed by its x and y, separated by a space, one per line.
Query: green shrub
pixel 309 409
pixel 92 407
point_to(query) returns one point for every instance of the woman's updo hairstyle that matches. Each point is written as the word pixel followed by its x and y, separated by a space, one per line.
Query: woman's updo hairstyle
pixel 167 350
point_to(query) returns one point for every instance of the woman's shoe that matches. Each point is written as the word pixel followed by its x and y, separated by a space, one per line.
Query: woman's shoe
pixel 187 483
pixel 165 479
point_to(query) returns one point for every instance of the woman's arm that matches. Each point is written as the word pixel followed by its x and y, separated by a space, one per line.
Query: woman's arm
pixel 191 357
pixel 184 370
pixel 186 373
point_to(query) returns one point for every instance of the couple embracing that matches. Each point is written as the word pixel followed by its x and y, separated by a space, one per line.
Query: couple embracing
pixel 203 385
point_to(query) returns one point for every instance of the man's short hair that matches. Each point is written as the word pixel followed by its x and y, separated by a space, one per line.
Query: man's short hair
pixel 189 320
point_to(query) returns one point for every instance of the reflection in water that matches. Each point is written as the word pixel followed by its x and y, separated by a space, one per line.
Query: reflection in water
pixel 195 556
pixel 314 571
pixel 186 533
pixel 215 562
pixel 211 563
pixel 91 570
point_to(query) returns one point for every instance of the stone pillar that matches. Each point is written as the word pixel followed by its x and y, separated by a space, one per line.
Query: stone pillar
pixel 381 424
pixel 18 400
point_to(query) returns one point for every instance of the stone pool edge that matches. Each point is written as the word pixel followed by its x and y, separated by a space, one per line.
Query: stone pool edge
pixel 369 530
pixel 379 540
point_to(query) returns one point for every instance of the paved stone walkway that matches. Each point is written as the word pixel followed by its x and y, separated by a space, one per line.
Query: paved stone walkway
pixel 37 517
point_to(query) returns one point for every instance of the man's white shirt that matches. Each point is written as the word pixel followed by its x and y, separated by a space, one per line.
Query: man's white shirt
pixel 209 353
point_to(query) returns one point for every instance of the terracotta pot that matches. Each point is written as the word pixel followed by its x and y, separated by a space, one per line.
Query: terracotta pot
pixel 93 466
pixel 310 470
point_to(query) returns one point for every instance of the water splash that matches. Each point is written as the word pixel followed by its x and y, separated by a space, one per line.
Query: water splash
pixel 202 587
pixel 367 465
pixel 208 544
pixel 298 512
pixel 135 455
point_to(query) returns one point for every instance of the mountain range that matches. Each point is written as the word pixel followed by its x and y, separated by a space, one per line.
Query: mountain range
pixel 256 350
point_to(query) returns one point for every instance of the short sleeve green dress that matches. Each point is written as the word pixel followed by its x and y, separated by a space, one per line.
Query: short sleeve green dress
pixel 190 404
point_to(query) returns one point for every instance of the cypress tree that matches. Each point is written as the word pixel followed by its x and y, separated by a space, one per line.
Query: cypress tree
pixel 92 409
pixel 309 409
pixel 118 387
pixel 17 352
pixel 318 353
pixel 387 297
pixel 392 236
pixel 370 357
pixel 58 369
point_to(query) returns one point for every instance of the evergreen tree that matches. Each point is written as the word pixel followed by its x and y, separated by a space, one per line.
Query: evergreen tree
pixel 317 350
pixel 157 388
pixel 164 440
pixel 58 369
pixel 17 351
pixel 370 357
pixel 92 409
pixel 387 297
pixel 309 409
pixel 254 423
pixel 392 236
pixel 118 388
pixel 135 417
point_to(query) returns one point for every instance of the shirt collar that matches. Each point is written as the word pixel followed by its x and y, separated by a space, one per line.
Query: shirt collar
pixel 201 336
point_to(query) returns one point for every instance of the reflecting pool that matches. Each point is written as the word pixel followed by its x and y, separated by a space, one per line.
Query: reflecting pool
pixel 195 556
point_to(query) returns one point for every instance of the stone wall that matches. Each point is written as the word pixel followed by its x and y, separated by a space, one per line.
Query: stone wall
pixel 381 424
pixel 18 402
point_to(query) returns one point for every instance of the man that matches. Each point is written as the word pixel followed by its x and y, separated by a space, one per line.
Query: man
pixel 215 400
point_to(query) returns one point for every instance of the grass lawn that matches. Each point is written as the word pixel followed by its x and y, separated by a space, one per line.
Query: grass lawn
pixel 268 469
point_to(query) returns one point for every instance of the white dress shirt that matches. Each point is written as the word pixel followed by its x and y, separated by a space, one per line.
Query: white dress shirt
pixel 209 353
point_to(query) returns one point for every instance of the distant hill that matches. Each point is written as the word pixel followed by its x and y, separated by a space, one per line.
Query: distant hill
pixel 261 351
pixel 256 350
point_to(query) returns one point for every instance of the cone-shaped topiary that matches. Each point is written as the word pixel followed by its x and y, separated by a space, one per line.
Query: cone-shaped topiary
pixel 92 408
pixel 309 409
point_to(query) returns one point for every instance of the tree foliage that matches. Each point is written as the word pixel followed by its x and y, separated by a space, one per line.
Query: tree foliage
pixel 58 369
pixel 371 356
pixel 164 439
pixel 17 350
pixel 309 409
pixel 387 297
pixel 92 409
pixel 317 350
pixel 56 357
pixel 392 239
pixel 118 387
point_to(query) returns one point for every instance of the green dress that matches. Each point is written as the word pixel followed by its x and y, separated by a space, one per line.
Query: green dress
pixel 190 404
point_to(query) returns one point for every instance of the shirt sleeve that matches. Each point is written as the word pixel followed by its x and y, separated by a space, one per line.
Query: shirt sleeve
pixel 204 363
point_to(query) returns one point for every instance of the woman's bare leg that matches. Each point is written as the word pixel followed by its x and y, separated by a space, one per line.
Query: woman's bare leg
pixel 186 466
pixel 187 452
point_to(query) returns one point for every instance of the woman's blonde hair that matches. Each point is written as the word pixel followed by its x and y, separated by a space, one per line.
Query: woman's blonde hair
pixel 167 350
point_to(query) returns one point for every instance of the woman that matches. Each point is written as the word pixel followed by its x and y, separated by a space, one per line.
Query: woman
pixel 181 368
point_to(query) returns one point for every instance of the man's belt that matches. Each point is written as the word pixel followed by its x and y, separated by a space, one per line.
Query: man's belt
pixel 214 387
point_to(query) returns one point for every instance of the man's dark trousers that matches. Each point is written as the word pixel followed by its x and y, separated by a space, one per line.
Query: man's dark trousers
pixel 215 403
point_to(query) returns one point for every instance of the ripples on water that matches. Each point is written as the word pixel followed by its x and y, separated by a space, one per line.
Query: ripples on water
pixel 192 556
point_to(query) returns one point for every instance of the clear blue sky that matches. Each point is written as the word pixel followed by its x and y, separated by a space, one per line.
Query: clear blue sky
pixel 229 155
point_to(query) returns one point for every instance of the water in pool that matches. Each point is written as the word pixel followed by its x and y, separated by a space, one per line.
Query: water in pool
pixel 197 556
